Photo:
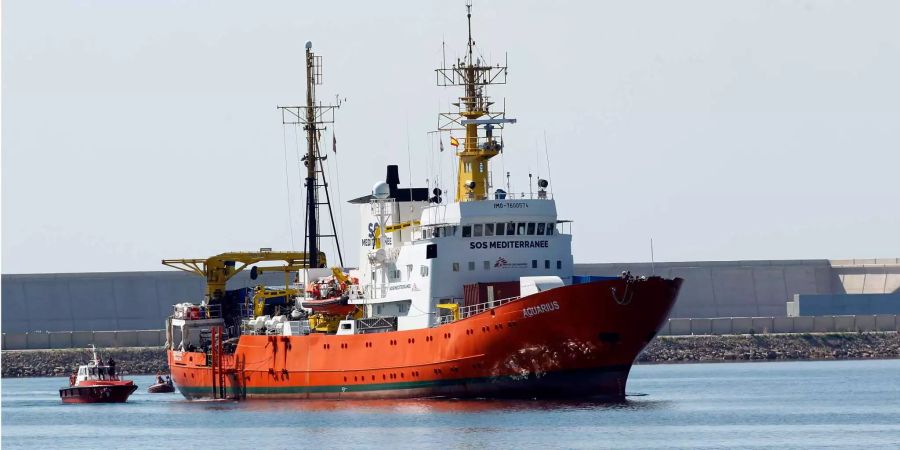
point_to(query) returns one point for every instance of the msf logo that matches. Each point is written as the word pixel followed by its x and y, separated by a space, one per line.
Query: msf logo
pixel 501 262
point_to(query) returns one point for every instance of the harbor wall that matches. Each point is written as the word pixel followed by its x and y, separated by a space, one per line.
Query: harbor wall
pixel 761 288
pixel 102 301
pixel 123 301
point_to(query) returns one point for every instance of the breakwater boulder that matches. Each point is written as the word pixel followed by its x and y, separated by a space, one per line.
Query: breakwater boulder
pixel 771 347
pixel 62 362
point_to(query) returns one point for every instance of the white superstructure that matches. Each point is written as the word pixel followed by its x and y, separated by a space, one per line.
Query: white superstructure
pixel 430 251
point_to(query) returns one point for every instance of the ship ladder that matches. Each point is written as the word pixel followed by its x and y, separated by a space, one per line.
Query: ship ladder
pixel 218 374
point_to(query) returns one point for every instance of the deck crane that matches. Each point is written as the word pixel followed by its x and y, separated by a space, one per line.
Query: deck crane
pixel 220 268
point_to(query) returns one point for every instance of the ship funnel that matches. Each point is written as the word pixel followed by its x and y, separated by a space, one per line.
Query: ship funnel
pixel 393 178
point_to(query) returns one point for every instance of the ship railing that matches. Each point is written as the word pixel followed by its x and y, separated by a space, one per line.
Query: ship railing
pixel 196 312
pixel 471 310
pixel 539 195
pixel 247 311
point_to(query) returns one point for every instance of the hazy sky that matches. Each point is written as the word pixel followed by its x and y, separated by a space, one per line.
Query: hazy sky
pixel 140 130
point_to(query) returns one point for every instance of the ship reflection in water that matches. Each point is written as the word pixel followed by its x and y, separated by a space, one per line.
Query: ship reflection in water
pixel 729 405
pixel 429 406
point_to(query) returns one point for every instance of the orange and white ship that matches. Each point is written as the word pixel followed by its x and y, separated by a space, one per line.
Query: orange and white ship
pixel 474 297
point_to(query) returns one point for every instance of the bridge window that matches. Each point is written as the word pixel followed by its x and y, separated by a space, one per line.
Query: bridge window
pixel 488 229
pixel 531 228
pixel 550 227
pixel 510 229
pixel 477 230
pixel 534 264
pixel 521 229
pixel 467 231
pixel 471 265
pixel 540 228
pixel 456 267
pixel 546 263
pixel 558 264
pixel 501 229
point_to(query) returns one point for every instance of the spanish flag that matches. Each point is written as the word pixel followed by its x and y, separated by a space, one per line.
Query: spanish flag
pixel 454 142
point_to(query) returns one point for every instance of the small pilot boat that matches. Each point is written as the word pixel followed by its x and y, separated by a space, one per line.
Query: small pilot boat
pixel 96 382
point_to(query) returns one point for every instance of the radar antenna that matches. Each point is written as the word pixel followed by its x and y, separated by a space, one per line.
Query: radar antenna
pixel 474 116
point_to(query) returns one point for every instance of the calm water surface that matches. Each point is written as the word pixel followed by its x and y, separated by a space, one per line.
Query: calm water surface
pixel 751 405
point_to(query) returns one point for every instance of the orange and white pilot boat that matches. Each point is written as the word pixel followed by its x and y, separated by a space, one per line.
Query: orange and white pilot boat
pixel 474 297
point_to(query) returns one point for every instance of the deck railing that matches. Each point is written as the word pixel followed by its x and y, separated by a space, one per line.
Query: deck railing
pixel 197 312
pixel 471 310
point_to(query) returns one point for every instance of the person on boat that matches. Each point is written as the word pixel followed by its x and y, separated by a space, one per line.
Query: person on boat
pixel 159 379
pixel 168 380
pixel 112 367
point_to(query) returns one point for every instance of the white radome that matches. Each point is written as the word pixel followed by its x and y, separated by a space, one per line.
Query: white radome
pixel 381 190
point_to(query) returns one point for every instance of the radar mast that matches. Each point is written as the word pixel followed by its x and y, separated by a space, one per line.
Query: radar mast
pixel 476 116
pixel 314 117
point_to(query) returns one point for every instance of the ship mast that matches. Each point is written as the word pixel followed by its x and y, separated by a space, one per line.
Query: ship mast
pixel 474 116
pixel 313 117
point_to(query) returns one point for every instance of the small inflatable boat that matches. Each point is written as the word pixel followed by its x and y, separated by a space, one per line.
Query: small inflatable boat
pixel 161 388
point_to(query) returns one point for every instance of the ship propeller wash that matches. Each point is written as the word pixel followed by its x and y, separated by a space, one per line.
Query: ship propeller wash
pixel 473 297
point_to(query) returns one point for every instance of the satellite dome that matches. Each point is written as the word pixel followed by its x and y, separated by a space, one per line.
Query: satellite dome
pixel 381 190
pixel 308 44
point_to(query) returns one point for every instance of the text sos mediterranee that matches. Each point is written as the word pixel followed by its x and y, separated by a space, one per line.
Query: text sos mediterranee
pixel 509 244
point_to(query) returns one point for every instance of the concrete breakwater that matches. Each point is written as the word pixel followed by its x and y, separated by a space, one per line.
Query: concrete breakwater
pixel 769 347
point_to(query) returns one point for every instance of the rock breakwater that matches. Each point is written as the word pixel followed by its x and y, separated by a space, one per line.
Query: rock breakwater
pixel 772 347
pixel 62 362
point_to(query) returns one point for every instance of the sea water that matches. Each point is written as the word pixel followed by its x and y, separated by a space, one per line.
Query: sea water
pixel 833 404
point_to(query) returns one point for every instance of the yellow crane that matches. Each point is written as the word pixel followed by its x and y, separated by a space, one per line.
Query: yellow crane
pixel 220 268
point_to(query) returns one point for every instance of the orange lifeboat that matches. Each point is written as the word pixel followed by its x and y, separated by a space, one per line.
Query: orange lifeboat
pixel 328 296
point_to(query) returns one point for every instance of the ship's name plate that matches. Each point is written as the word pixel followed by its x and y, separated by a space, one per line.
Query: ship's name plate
pixel 532 311
pixel 509 244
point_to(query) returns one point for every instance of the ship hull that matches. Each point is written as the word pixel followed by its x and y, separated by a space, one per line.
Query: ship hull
pixel 97 394
pixel 576 341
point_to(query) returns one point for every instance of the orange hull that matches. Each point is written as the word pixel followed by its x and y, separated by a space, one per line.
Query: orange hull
pixel 573 341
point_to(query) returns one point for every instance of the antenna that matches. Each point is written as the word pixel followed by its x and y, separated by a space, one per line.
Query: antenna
pixel 547 154
pixel 530 190
pixel 469 19
pixel 313 117
pixel 652 262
